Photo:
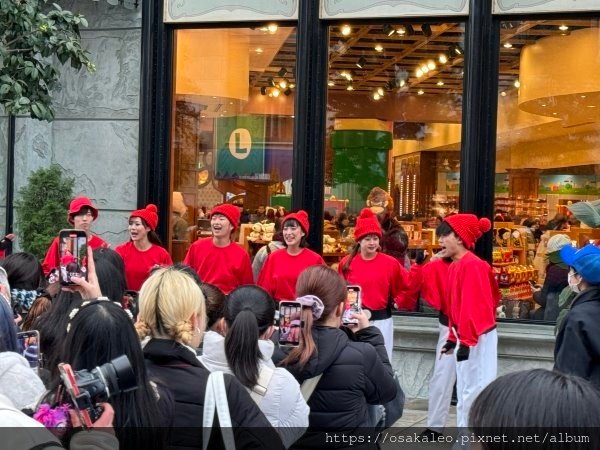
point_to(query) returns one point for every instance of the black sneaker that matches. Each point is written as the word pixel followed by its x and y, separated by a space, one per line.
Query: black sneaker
pixel 431 435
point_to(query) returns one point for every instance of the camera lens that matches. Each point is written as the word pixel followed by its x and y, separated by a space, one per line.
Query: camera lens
pixel 117 375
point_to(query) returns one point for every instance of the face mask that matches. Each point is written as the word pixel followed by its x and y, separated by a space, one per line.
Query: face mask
pixel 574 286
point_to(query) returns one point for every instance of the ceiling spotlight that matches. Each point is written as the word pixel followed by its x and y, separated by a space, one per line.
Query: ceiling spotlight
pixel 387 29
pixel 283 84
pixel 349 87
pixel 426 30
pixel 346 30
pixel 330 83
pixel 376 96
pixel 430 65
pixel 380 91
pixel 258 50
pixel 282 72
pixel 456 50
pixel 378 48
pixel 517 84
pixel 420 92
pixel 425 68
pixel 563 27
pixel 443 58
pixel 419 73
pixel 503 94
pixel 409 30
pixel 402 83
pixel 272 27
pixel 401 30
pixel 440 83
pixel 361 62
pixel 263 90
pixel 276 92
pixel 507 45
pixel 271 81
pixel 292 85
pixel 346 75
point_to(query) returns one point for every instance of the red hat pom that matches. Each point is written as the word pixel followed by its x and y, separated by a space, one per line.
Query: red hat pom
pixel 366 213
pixel 485 225
pixel 152 207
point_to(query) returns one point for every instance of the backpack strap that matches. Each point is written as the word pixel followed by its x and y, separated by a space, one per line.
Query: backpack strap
pixel 308 387
pixel 215 400
pixel 259 391
pixel 269 248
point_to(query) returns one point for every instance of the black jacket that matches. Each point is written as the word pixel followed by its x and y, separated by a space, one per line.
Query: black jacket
pixel 355 374
pixel 178 369
pixel 577 350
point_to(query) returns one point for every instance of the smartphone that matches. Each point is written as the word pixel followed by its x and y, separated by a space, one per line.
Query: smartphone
pixel 72 255
pixel 290 322
pixel 352 305
pixel 28 345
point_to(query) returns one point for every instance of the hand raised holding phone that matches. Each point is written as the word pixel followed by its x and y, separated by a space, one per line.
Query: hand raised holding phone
pixel 90 288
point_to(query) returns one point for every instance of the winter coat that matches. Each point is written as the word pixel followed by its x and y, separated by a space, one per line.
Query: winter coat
pixel 15 371
pixel 178 369
pixel 554 283
pixel 356 373
pixel 577 350
pixel 282 404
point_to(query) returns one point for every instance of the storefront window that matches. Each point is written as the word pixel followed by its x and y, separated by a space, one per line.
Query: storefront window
pixel 394 122
pixel 232 127
pixel 547 159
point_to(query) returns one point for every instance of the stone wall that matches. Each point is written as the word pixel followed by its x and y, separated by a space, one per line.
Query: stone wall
pixel 520 347
pixel 94 137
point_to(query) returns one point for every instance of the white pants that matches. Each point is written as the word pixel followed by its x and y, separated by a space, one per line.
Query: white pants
pixel 441 384
pixel 386 326
pixel 474 374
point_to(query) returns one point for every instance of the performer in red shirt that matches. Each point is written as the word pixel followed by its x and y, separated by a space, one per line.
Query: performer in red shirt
pixel 82 213
pixel 472 295
pixel 283 267
pixel 217 259
pixel 144 249
pixel 380 276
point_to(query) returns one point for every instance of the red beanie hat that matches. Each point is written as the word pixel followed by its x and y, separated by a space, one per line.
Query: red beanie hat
pixel 230 211
pixel 468 227
pixel 77 204
pixel 366 224
pixel 149 214
pixel 301 217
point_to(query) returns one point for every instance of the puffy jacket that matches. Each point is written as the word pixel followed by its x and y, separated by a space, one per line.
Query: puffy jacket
pixel 356 373
pixel 577 350
pixel 177 367
pixel 15 371
pixel 282 403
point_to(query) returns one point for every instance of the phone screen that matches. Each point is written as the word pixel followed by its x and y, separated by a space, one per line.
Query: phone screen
pixel 28 345
pixel 353 304
pixel 290 322
pixel 72 255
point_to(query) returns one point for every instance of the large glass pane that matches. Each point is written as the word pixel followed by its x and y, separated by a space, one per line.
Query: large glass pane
pixel 393 122
pixel 547 158
pixel 232 126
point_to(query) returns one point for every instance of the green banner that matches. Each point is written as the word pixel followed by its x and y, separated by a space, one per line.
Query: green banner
pixel 240 144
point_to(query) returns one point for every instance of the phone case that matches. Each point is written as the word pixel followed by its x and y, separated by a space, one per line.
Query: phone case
pixel 72 255
pixel 290 322
pixel 353 304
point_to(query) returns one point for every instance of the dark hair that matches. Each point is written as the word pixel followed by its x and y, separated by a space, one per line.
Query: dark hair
pixel 188 271
pixel 534 402
pixel 294 223
pixel 108 254
pixel 249 312
pixel 322 282
pixel 111 280
pixel 152 235
pixel 353 252
pixel 215 303
pixel 444 229
pixel 395 244
pixel 8 330
pixel 24 271
pixel 40 306
pixel 99 332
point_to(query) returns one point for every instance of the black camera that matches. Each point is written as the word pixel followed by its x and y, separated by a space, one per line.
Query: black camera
pixel 87 388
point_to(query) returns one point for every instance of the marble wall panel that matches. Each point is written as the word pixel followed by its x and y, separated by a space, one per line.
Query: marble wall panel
pixel 100 14
pixel 3 168
pixel 102 156
pixel 113 91
pixel 112 226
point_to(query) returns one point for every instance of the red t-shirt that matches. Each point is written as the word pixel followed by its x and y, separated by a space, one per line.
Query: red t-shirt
pixel 139 263
pixel 472 296
pixel 378 278
pixel 429 281
pixel 281 270
pixel 51 259
pixel 225 267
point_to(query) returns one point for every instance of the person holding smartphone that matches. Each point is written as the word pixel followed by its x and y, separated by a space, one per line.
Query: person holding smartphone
pixel 82 214
pixel 281 270
pixel 381 278
pixel 144 249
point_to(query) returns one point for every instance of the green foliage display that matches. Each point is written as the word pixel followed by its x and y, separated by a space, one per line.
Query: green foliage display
pixel 42 209
pixel 31 33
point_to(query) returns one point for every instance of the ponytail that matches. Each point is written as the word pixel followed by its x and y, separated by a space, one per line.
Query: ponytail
pixel 301 354
pixel 353 252
pixel 154 239
pixel 241 348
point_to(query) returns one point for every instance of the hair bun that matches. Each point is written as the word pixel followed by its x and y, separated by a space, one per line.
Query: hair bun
pixel 485 225
pixel 152 207
pixel 365 213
